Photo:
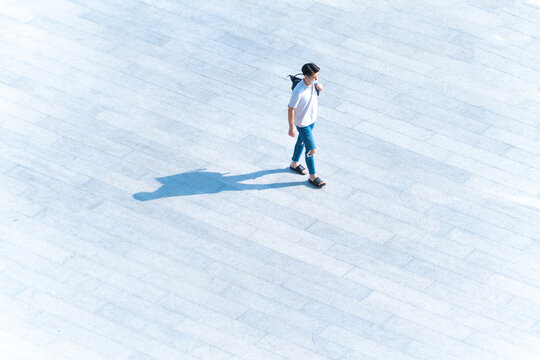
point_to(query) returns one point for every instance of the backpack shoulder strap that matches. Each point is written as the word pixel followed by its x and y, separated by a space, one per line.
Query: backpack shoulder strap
pixel 295 80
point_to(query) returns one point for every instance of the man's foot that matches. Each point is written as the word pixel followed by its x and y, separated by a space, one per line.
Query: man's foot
pixel 298 168
pixel 316 181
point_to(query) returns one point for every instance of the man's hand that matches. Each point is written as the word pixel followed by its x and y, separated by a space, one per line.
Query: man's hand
pixel 292 133
pixel 319 87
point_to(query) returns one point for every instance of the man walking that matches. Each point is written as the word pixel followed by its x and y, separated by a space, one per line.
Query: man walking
pixel 302 115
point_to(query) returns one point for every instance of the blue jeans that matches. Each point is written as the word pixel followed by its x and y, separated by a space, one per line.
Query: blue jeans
pixel 305 137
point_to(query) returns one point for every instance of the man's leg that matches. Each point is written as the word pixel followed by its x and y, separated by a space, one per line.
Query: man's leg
pixel 311 148
pixel 298 148
pixel 310 162
pixel 306 134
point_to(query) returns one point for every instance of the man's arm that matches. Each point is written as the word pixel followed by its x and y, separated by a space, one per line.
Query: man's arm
pixel 291 122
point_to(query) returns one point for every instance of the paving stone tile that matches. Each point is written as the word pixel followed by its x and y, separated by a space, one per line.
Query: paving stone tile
pixel 483 308
pixel 345 320
pixel 252 283
pixel 225 341
pixel 288 349
pixel 361 345
pixel 440 323
pixel 429 342
pixel 289 339
pixel 78 335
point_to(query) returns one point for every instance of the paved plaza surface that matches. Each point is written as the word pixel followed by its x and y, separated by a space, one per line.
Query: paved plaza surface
pixel 148 212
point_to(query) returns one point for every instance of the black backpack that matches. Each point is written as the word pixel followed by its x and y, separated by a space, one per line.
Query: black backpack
pixel 295 80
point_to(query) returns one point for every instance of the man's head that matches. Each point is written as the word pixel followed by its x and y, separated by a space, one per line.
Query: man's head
pixel 311 72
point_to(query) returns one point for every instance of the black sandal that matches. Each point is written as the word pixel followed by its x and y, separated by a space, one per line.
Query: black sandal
pixel 298 169
pixel 317 182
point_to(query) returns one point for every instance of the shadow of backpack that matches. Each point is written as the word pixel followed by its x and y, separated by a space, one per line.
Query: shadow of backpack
pixel 296 79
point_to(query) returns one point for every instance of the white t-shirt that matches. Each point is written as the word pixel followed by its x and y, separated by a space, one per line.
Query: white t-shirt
pixel 305 103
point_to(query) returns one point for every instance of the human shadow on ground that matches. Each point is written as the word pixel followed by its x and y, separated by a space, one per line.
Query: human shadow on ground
pixel 208 182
